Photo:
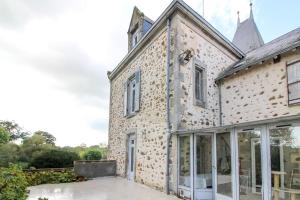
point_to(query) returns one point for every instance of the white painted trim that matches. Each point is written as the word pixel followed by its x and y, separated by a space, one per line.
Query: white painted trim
pixel 266 165
pixel 195 163
pixel 234 164
pixel 192 189
pixel 214 166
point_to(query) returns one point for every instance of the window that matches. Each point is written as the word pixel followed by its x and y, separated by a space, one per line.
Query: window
pixel 250 170
pixel 293 70
pixel 134 40
pixel 132 95
pixel 199 85
pixel 224 179
pixel 184 161
pixel 285 161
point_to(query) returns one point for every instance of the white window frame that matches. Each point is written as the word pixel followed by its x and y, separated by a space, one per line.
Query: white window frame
pixel 131 92
pixel 293 82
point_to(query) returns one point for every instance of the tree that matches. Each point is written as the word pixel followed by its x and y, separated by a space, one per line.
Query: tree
pixel 14 130
pixel 9 153
pixel 33 145
pixel 54 158
pixel 4 136
pixel 49 138
pixel 92 154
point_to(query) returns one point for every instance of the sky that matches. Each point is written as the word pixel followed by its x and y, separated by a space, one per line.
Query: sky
pixel 55 54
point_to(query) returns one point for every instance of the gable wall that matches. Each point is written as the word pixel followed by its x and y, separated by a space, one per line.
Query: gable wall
pixel 215 58
pixel 149 124
pixel 259 93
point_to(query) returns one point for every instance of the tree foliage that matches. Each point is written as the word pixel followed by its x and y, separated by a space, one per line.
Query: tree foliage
pixel 49 138
pixel 4 136
pixel 13 183
pixel 54 158
pixel 9 153
pixel 14 130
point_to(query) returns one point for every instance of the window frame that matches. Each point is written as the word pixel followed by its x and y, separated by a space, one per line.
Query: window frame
pixel 132 86
pixel 199 67
pixel 297 100
pixel 130 99
pixel 134 38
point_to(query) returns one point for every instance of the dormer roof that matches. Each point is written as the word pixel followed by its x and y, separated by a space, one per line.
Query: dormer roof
pixel 136 17
pixel 247 36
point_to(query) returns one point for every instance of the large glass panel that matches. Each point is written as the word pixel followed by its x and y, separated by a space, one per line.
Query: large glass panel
pixel 184 161
pixel 250 181
pixel 285 162
pixel 203 179
pixel 224 164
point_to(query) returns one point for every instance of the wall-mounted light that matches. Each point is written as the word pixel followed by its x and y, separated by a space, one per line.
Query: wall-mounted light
pixel 185 57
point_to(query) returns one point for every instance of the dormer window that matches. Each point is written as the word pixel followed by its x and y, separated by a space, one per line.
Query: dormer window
pixel 139 26
pixel 134 39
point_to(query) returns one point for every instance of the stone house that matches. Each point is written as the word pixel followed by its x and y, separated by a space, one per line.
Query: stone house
pixel 202 117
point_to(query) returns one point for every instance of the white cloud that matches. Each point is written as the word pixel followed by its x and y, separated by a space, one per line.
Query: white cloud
pixel 54 55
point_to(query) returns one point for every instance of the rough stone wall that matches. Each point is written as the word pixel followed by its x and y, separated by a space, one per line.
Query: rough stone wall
pixel 215 58
pixel 259 93
pixel 149 124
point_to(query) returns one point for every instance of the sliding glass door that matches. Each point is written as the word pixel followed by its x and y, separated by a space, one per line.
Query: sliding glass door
pixel 249 162
pixel 203 182
pixel 223 166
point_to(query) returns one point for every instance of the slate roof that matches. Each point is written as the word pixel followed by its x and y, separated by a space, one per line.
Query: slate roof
pixel 271 49
pixel 247 37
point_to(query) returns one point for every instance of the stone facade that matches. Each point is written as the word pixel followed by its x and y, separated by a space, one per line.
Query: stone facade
pixel 258 93
pixel 214 58
pixel 149 124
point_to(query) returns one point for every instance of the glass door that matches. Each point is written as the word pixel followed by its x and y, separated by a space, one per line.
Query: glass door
pixel 203 182
pixel 131 158
pixel 224 166
pixel 249 158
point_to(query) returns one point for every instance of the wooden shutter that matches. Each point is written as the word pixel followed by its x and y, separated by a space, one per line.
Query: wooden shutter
pixel 125 97
pixel 137 90
pixel 294 82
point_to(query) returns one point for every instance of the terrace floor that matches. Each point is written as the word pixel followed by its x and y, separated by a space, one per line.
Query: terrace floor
pixel 106 188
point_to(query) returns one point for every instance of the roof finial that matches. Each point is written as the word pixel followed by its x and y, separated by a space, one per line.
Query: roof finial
pixel 238 20
pixel 251 13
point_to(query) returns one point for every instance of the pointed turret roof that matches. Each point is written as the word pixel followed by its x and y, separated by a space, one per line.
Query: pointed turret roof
pixel 247 36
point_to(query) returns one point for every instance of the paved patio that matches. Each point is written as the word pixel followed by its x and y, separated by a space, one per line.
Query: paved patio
pixel 107 188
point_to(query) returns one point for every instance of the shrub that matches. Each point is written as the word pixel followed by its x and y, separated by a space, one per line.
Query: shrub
pixel 12 183
pixel 50 177
pixel 54 158
pixel 92 154
pixel 9 153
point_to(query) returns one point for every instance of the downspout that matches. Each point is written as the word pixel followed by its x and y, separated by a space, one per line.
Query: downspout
pixel 169 134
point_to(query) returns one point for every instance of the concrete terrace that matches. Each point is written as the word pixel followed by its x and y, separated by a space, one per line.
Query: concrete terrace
pixel 107 188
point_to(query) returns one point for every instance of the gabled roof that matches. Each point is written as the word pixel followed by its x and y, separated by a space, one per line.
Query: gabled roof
pixel 137 14
pixel 183 7
pixel 247 36
pixel 282 44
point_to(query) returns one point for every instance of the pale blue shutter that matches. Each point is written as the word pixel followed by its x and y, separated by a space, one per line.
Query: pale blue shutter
pixel 138 89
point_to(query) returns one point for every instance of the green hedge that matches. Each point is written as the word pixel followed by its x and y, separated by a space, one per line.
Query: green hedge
pixel 50 177
pixel 13 183
pixel 54 158
pixel 92 154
